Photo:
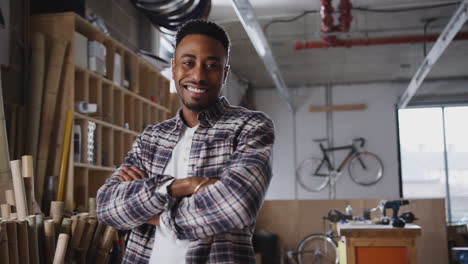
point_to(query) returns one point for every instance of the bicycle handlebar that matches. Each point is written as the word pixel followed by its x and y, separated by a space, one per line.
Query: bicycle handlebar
pixel 360 139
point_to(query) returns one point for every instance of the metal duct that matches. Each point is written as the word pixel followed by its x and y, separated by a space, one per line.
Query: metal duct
pixel 447 35
pixel 245 12
pixel 171 14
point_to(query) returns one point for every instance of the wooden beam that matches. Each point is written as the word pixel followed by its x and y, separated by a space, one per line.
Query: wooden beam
pixel 329 108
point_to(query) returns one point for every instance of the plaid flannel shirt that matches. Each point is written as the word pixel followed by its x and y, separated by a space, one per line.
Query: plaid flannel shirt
pixel 232 144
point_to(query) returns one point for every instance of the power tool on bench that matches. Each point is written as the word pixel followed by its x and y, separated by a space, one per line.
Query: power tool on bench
pixel 395 205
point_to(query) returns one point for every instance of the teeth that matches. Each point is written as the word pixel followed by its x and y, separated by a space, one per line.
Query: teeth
pixel 195 90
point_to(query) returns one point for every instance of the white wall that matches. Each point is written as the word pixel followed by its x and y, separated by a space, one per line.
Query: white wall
pixel 377 124
pixel 5 33
pixel 234 89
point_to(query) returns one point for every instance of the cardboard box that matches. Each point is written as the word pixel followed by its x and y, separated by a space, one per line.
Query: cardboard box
pixel 80 47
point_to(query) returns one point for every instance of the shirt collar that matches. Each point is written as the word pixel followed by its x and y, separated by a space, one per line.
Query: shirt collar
pixel 209 116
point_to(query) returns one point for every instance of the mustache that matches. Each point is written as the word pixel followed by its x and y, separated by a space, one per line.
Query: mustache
pixel 185 82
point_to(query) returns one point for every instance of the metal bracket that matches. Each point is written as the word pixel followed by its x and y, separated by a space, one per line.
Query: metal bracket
pixel 245 12
pixel 453 27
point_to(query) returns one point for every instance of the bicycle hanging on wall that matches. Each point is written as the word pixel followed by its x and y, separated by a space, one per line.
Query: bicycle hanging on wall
pixel 364 168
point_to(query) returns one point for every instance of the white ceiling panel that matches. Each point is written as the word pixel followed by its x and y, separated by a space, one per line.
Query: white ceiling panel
pixel 341 65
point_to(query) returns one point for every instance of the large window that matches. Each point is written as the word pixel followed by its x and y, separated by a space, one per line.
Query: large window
pixel 434 156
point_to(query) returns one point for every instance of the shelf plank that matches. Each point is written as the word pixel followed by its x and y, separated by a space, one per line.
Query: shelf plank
pixel 331 108
pixel 120 88
pixel 93 167
pixel 106 124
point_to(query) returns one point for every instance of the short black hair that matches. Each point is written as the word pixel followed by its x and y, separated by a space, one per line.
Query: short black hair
pixel 204 27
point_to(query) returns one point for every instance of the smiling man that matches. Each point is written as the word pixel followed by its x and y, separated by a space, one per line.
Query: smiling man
pixel 191 187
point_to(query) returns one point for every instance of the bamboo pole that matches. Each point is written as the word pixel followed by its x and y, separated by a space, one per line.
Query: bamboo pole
pixel 66 98
pixel 65 153
pixel 56 212
pixel 76 238
pixel 92 207
pixel 4 252
pixel 11 127
pixel 27 191
pixel 83 216
pixel 28 177
pixel 65 228
pixel 49 231
pixel 105 245
pixel 20 131
pixel 37 87
pixel 52 81
pixel 88 235
pixel 50 193
pixel 12 242
pixel 95 243
pixel 79 256
pixel 62 244
pixel 23 241
pixel 5 211
pixel 18 185
pixel 40 237
pixel 5 174
pixel 10 200
pixel 74 220
pixel 33 245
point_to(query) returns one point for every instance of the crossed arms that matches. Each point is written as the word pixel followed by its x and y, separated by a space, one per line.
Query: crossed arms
pixel 231 202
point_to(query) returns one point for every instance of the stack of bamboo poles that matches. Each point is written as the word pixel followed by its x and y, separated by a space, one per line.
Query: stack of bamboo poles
pixel 53 239
pixel 46 125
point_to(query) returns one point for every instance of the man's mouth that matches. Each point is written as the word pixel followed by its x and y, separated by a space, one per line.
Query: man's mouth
pixel 195 90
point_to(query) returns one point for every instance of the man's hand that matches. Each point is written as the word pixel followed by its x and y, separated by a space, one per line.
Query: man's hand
pixel 131 173
pixel 185 187
pixel 154 221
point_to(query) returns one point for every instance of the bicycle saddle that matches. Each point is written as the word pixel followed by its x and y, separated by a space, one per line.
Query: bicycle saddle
pixel 320 139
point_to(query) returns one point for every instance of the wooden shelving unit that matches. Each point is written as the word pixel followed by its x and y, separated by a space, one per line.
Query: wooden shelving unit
pixel 122 112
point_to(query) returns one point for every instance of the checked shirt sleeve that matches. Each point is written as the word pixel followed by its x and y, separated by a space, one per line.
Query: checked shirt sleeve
pixel 232 202
pixel 126 205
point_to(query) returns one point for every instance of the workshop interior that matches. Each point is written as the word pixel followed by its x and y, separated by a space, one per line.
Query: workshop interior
pixel 369 101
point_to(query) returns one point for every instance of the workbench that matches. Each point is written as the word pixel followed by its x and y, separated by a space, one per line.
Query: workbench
pixel 383 244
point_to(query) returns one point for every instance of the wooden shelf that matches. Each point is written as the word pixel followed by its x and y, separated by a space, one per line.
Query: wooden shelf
pixel 93 167
pixel 124 90
pixel 104 123
pixel 145 100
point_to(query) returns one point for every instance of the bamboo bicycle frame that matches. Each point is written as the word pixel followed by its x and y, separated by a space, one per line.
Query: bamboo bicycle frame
pixel 326 160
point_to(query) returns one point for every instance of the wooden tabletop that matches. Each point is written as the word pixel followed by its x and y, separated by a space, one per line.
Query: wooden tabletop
pixel 370 230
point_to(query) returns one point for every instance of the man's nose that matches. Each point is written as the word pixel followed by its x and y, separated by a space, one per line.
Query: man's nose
pixel 199 74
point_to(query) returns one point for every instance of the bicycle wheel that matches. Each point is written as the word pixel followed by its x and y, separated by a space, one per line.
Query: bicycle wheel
pixel 317 248
pixel 305 174
pixel 365 168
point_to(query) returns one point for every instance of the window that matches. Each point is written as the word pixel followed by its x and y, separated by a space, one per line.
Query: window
pixel 434 156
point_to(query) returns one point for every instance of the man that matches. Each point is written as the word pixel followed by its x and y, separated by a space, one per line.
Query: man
pixel 191 187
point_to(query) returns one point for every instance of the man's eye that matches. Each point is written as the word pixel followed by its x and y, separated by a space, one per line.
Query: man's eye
pixel 187 63
pixel 212 66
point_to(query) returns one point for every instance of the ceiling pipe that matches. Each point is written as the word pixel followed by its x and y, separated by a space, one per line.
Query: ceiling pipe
pixel 337 43
pixel 328 26
pixel 453 27
pixel 326 13
pixel 345 15
pixel 245 12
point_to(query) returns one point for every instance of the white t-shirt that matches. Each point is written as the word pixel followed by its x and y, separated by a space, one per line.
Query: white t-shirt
pixel 167 248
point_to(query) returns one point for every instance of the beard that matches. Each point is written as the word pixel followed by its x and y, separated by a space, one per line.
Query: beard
pixel 196 107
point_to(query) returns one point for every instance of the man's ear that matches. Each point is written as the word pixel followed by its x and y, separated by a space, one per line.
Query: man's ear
pixel 226 73
pixel 172 66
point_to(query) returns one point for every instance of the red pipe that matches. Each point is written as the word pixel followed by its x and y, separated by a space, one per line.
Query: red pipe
pixel 345 15
pixel 326 12
pixel 335 42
